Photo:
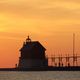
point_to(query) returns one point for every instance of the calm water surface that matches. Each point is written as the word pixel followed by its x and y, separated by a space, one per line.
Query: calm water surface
pixel 46 75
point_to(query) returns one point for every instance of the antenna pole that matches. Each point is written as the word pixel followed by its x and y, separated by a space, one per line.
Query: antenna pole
pixel 73 49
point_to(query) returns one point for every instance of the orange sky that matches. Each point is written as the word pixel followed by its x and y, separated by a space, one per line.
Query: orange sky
pixel 52 22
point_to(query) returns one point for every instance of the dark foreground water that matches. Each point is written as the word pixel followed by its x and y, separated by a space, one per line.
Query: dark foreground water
pixel 46 75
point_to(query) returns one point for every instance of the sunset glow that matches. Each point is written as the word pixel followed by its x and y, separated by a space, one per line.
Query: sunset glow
pixel 51 22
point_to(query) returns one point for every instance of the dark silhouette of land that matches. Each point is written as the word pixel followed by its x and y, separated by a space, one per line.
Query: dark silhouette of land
pixel 43 69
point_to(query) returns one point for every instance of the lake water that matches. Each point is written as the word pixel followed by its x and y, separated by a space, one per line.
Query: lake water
pixel 46 75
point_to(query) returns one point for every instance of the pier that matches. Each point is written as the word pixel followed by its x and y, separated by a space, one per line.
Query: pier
pixel 65 61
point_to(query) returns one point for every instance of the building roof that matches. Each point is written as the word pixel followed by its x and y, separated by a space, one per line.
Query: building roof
pixel 29 45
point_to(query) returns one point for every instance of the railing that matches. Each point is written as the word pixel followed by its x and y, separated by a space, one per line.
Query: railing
pixel 61 61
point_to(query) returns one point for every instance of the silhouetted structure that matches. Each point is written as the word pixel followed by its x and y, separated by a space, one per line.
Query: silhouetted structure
pixel 32 55
pixel 65 61
pixel 32 58
pixel 69 59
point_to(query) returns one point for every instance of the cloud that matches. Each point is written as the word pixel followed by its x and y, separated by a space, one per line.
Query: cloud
pixel 38 8
pixel 35 15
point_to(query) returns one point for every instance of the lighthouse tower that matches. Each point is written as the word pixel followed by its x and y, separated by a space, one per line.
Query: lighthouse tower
pixel 32 55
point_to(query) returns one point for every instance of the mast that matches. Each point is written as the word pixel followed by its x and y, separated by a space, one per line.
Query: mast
pixel 73 49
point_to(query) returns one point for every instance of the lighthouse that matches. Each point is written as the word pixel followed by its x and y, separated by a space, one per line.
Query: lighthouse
pixel 32 55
